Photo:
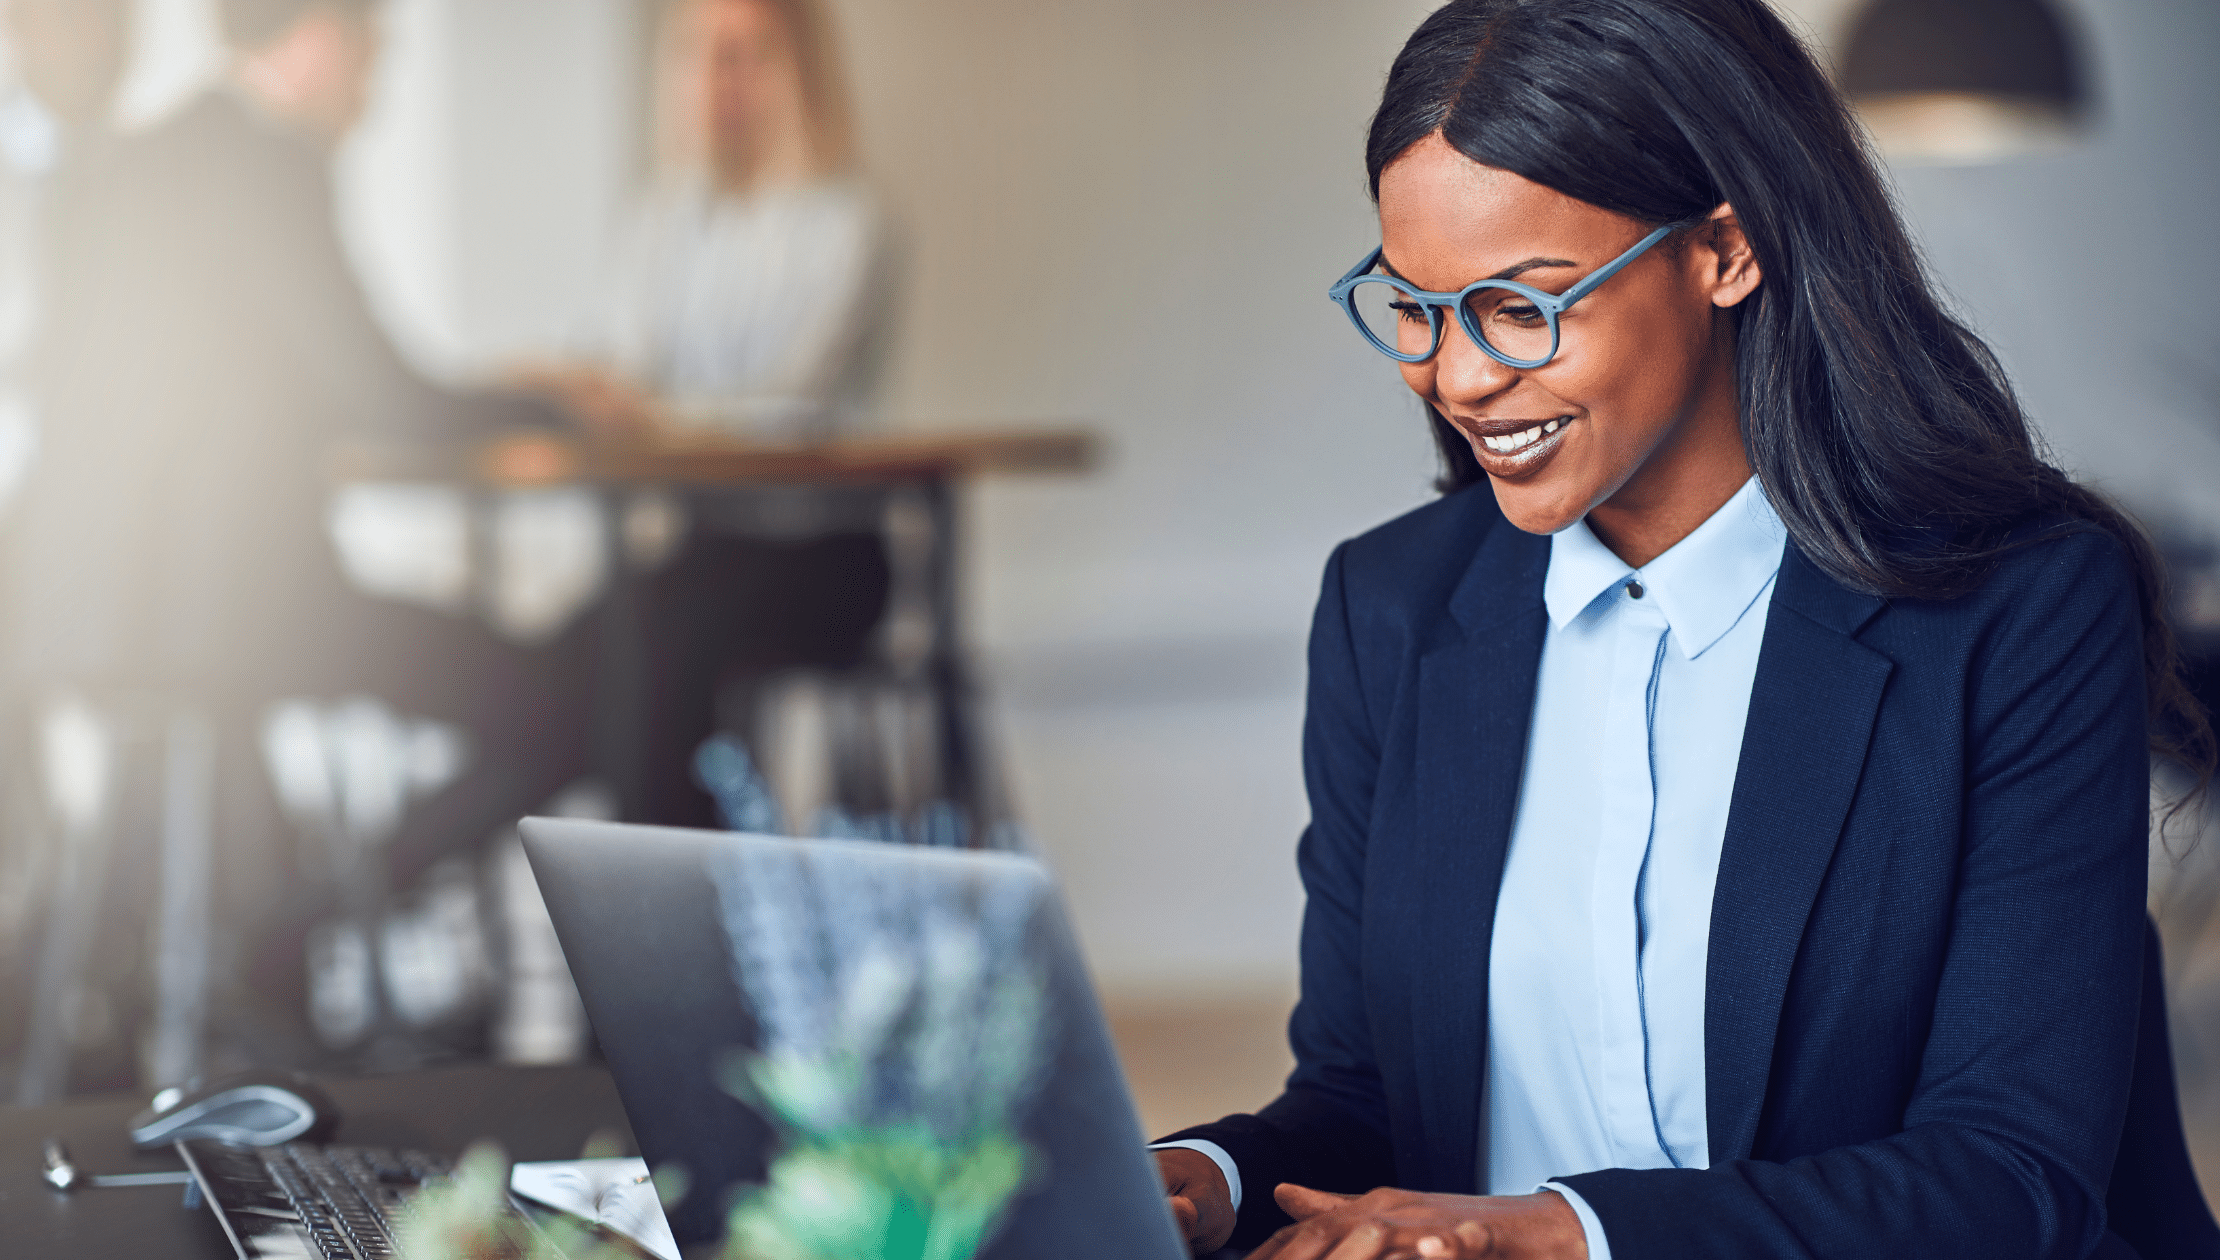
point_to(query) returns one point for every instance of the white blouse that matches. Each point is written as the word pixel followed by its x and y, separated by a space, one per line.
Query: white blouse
pixel 755 314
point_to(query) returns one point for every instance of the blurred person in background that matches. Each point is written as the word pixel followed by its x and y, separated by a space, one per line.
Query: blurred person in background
pixel 67 59
pixel 197 361
pixel 748 300
pixel 205 349
pixel 747 297
pixel 61 63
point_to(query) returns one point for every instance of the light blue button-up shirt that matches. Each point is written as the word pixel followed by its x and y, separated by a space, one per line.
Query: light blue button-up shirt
pixel 1603 922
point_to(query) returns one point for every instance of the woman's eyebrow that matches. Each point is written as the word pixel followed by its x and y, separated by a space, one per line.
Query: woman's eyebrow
pixel 1515 270
pixel 1512 272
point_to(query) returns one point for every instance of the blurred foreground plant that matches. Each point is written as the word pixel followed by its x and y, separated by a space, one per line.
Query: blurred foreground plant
pixel 895 1194
pixel 904 1031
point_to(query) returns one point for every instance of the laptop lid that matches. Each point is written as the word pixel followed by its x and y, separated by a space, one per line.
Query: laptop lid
pixel 890 1014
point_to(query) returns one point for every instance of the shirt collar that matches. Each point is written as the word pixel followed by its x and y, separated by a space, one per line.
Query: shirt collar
pixel 1702 584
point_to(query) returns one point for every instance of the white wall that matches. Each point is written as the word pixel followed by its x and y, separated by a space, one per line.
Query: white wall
pixel 542 147
pixel 494 169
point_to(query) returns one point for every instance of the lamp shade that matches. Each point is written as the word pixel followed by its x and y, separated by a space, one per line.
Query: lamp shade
pixel 1965 80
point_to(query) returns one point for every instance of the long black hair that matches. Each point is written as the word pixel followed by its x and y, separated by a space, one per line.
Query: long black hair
pixel 1882 429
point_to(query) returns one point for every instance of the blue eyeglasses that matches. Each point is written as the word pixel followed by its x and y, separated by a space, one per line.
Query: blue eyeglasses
pixel 1515 323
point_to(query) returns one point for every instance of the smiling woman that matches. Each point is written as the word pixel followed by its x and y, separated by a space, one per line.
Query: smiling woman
pixel 1652 452
pixel 1729 801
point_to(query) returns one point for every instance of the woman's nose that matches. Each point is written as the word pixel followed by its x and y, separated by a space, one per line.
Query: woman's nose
pixel 1463 372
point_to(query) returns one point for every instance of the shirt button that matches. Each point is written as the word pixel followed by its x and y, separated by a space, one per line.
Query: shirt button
pixel 1634 588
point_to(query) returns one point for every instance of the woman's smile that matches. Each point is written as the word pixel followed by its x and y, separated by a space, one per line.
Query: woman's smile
pixel 1517 438
pixel 1514 448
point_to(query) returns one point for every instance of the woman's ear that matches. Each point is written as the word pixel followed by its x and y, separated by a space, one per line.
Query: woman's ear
pixel 1732 268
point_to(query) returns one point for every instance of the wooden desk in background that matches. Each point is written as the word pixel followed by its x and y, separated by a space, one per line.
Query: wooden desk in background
pixel 931 466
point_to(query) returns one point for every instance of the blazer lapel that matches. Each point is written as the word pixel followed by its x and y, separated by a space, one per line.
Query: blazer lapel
pixel 1812 709
pixel 1476 700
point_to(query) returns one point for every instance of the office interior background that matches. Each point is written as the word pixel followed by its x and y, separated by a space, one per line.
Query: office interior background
pixel 1122 215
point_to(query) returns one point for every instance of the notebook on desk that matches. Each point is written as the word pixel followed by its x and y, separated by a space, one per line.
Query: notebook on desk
pixel 819 1042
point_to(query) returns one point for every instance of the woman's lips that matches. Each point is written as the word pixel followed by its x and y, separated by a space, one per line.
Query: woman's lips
pixel 1503 449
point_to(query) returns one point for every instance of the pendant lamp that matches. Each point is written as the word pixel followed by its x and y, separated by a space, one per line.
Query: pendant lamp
pixel 1965 81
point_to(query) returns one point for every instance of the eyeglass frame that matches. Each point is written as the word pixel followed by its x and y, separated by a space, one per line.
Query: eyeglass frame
pixel 1552 305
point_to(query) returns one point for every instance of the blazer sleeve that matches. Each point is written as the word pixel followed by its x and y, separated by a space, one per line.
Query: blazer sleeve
pixel 2012 1126
pixel 1329 1129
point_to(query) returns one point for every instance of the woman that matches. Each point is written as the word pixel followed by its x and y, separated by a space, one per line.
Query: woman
pixel 747 297
pixel 747 301
pixel 1729 801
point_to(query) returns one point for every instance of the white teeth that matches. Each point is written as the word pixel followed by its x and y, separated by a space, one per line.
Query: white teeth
pixel 1523 439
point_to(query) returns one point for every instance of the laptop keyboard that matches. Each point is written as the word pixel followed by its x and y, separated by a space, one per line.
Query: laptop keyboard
pixel 304 1199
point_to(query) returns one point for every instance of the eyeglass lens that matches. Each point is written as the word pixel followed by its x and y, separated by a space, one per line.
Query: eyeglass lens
pixel 1510 323
pixel 1394 320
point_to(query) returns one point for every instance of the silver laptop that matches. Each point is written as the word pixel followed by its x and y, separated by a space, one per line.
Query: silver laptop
pixel 856 1048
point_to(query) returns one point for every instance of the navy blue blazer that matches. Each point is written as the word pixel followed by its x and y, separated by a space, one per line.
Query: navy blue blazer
pixel 1928 941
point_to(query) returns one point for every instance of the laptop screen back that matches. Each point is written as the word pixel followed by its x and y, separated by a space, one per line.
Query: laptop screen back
pixel 839 1036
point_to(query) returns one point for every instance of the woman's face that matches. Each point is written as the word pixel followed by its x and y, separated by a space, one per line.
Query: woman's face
pixel 750 82
pixel 1641 390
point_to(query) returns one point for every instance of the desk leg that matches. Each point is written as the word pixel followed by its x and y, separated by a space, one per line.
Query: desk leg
pixel 621 696
pixel 966 778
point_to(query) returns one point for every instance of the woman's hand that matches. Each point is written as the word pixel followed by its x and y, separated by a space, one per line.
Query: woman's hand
pixel 605 404
pixel 1406 1225
pixel 1202 1202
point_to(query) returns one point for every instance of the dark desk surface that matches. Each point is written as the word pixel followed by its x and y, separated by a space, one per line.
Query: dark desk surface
pixel 535 1113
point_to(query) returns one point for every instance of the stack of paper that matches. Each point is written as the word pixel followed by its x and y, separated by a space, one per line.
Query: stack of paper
pixel 615 1194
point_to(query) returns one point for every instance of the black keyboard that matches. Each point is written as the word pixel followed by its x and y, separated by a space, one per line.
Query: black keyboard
pixel 309 1202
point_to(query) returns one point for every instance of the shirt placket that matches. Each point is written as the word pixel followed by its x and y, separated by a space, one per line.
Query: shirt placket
pixel 1628 802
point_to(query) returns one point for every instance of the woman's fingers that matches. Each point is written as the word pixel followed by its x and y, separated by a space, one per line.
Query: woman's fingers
pixel 1368 1240
pixel 1467 1239
pixel 1302 1202
pixel 1383 1225
pixel 1330 1240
